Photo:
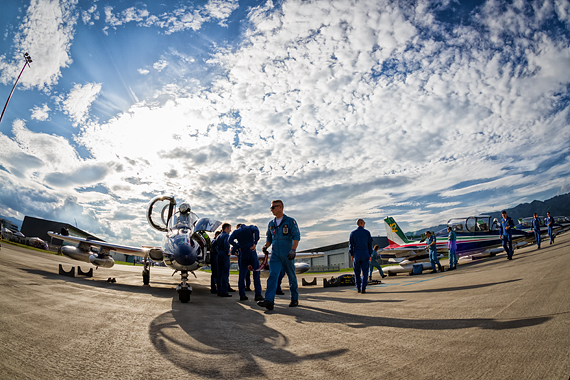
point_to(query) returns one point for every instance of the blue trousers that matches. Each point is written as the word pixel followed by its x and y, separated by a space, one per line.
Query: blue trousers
pixel 361 264
pixel 223 273
pixel 434 261
pixel 375 264
pixel 245 259
pixel 508 245
pixel 551 235
pixel 537 237
pixel 215 274
pixel 452 259
pixel 280 279
pixel 277 262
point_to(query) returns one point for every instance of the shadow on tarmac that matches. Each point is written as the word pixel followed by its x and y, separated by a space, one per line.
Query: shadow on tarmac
pixel 81 280
pixel 204 344
pixel 450 289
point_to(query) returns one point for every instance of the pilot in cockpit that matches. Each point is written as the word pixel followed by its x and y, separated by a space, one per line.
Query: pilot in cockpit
pixel 183 220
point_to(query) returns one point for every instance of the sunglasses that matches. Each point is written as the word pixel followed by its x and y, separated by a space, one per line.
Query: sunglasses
pixel 272 207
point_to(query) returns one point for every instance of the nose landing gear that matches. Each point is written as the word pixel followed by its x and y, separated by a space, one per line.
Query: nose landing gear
pixel 184 290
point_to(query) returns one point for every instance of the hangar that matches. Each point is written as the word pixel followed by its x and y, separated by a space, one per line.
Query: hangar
pixel 336 256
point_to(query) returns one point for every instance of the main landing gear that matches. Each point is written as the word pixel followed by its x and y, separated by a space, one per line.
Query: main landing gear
pixel 146 272
pixel 184 290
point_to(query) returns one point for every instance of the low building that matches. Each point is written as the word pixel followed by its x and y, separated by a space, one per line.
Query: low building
pixel 336 256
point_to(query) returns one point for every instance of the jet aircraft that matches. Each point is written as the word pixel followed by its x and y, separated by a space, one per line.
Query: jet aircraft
pixel 183 248
pixel 477 236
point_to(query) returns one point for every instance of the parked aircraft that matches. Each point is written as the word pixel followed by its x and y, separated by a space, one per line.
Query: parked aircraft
pixel 477 236
pixel 183 248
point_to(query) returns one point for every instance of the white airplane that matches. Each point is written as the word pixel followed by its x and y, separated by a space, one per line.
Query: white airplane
pixel 183 248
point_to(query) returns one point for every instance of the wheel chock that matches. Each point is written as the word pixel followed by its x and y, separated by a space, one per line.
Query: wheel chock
pixel 89 273
pixel 71 272
pixel 307 283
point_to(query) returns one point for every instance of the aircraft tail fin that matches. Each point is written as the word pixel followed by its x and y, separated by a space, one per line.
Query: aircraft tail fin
pixel 394 232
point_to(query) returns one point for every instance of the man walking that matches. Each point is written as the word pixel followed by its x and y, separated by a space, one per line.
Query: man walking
pixel 360 248
pixel 244 239
pixel 507 226
pixel 283 235
pixel 536 229
pixel 375 262
pixel 549 221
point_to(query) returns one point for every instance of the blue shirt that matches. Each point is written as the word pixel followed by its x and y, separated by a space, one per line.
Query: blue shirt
pixel 549 221
pixel 536 224
pixel 507 223
pixel 282 242
pixel 222 243
pixel 452 236
pixel 246 237
pixel 360 243
pixel 375 256
pixel 431 248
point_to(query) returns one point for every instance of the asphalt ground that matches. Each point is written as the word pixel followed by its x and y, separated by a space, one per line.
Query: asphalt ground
pixel 489 319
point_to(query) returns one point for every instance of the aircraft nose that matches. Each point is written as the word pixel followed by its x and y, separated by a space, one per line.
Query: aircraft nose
pixel 185 255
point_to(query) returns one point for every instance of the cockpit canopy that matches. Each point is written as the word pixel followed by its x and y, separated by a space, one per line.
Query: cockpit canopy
pixel 474 224
pixel 182 223
pixel 527 222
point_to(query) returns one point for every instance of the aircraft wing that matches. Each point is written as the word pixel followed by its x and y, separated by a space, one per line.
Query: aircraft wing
pixel 134 251
pixel 261 256
pixel 402 251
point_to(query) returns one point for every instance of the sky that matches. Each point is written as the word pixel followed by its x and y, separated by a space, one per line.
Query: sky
pixel 419 110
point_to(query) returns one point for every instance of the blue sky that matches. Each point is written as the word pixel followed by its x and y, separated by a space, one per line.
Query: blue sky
pixel 421 110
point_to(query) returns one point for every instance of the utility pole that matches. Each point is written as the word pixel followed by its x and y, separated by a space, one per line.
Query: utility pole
pixel 27 63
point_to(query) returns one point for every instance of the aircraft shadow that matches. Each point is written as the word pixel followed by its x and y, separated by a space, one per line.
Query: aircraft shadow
pixel 203 345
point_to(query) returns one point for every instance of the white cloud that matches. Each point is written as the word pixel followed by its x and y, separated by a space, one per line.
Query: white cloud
pixel 45 33
pixel 160 65
pixel 79 100
pixel 143 71
pixel 40 113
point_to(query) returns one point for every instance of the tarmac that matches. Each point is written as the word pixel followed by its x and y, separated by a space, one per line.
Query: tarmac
pixel 489 319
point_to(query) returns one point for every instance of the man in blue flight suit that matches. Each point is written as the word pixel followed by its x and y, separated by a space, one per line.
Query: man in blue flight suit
pixel 549 221
pixel 507 226
pixel 452 247
pixel 375 263
pixel 245 239
pixel 431 245
pixel 223 247
pixel 360 249
pixel 536 229
pixel 284 235
pixel 214 284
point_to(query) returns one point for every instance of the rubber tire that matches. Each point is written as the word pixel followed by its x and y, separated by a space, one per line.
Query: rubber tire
pixel 184 295
pixel 146 278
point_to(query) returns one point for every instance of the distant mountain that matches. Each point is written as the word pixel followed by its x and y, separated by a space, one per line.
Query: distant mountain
pixel 558 206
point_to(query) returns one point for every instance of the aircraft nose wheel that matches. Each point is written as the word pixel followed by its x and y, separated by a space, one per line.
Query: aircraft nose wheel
pixel 184 290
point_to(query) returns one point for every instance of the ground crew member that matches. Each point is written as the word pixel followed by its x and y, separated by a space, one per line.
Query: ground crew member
pixel 375 262
pixel 223 246
pixel 283 235
pixel 536 229
pixel 549 221
pixel 245 239
pixel 214 284
pixel 360 249
pixel 452 247
pixel 507 226
pixel 431 245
